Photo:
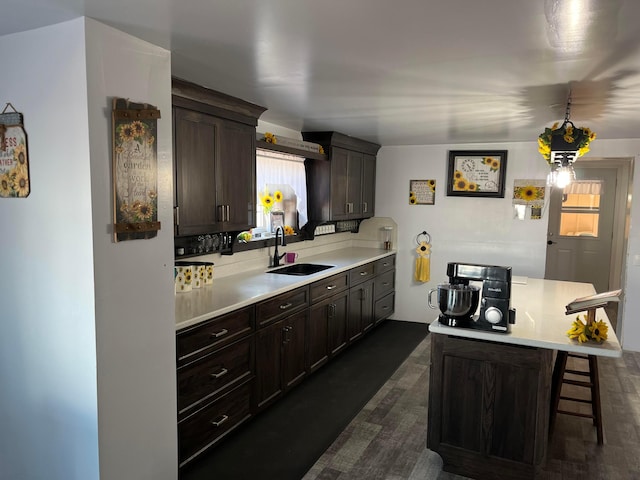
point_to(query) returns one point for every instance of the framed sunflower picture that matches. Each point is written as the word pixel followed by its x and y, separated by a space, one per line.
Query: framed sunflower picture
pixel 476 173
pixel 422 192
pixel 135 170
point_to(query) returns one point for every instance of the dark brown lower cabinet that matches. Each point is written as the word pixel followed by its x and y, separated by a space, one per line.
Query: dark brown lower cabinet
pixel 235 365
pixel 280 357
pixel 489 407
pixel 205 427
pixel 327 330
pixel 361 316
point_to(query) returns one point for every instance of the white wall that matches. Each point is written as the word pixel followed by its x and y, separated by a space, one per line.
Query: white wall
pixel 48 403
pixel 88 340
pixel 480 230
pixel 134 279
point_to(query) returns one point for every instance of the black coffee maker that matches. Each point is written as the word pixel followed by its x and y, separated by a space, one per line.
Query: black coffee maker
pixel 496 313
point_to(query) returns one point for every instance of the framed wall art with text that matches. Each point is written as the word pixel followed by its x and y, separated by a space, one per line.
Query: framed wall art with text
pixel 476 173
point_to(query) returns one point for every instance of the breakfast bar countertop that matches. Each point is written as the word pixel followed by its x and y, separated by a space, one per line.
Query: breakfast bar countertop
pixel 236 291
pixel 541 320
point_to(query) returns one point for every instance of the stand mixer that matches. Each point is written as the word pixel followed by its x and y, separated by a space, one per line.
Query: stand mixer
pixel 458 301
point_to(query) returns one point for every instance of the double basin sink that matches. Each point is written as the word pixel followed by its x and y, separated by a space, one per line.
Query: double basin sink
pixel 300 269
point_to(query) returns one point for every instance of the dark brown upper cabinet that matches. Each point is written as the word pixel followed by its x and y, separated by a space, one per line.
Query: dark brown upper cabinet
pixel 342 187
pixel 214 160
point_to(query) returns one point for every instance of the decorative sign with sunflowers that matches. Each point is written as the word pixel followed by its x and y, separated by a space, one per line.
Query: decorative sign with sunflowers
pixel 422 192
pixel 14 163
pixel 477 173
pixel 135 170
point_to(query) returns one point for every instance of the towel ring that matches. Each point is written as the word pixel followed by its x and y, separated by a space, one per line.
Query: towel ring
pixel 423 234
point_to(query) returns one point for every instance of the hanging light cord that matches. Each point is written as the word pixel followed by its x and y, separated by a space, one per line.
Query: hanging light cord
pixel 567 112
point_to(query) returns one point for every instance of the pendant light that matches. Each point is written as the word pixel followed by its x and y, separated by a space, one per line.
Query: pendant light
pixel 561 146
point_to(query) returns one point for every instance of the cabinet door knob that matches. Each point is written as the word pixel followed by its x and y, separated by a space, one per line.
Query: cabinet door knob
pixel 219 334
pixel 219 374
pixel 217 423
pixel 365 207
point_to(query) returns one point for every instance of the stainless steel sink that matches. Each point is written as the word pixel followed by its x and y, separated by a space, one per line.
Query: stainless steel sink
pixel 300 269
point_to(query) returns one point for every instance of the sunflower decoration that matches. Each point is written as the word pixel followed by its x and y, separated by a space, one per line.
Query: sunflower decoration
pixel 579 138
pixel 412 198
pixel 586 330
pixel 267 202
pixel 432 185
pixel 460 184
pixel 457 175
pixel 472 187
pixel 528 193
pixel 270 138
pixel 288 230
pixel 492 163
pixel 277 197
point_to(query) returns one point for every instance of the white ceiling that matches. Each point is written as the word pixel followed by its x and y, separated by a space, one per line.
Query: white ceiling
pixel 393 72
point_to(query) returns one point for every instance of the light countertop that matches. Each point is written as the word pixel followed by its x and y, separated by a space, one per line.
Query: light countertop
pixel 236 291
pixel 541 320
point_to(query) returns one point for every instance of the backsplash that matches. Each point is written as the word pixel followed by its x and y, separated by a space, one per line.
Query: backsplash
pixel 370 235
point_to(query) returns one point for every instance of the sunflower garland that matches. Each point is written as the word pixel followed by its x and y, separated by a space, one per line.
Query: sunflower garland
pixel 588 330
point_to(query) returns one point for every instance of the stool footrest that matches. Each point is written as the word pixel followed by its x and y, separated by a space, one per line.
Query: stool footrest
pixel 573 399
pixel 579 383
pixel 578 372
pixel 576 414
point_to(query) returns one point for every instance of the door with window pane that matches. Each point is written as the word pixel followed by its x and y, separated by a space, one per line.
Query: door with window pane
pixel 580 232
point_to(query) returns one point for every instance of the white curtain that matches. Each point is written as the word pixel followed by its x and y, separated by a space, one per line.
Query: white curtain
pixel 584 187
pixel 274 168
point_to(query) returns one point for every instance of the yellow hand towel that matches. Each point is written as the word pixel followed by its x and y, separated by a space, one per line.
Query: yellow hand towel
pixel 423 269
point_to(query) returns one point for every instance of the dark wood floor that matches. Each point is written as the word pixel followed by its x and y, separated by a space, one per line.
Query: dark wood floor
pixel 387 439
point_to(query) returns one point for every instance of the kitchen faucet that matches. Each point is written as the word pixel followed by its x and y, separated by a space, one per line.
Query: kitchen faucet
pixel 276 257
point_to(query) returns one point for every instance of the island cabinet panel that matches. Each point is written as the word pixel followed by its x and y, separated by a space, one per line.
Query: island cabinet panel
pixel 489 407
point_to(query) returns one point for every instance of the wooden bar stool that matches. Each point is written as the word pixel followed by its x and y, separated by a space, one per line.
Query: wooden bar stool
pixel 592 384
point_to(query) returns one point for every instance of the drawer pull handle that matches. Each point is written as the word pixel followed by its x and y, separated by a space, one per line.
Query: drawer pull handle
pixel 331 287
pixel 385 264
pixel 385 284
pixel 222 332
pixel 217 423
pixel 222 372
pixel 386 307
pixel 285 306
pixel 362 274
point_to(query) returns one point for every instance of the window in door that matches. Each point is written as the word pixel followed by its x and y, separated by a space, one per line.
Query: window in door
pixel 580 212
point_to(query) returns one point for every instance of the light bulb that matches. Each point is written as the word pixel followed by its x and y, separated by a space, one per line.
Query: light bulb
pixel 564 176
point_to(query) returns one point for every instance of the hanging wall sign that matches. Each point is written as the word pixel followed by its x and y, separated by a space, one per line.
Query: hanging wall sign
pixel 135 170
pixel 14 155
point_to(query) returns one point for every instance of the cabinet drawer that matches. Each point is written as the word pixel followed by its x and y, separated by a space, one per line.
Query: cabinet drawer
pixel 204 428
pixel 384 307
pixel 362 273
pixel 199 381
pixel 215 333
pixel 329 286
pixel 385 264
pixel 282 305
pixel 384 284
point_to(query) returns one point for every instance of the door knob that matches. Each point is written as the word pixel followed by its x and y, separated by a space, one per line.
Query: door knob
pixel 550 242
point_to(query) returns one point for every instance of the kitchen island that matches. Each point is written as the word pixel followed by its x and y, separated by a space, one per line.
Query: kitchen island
pixel 490 393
